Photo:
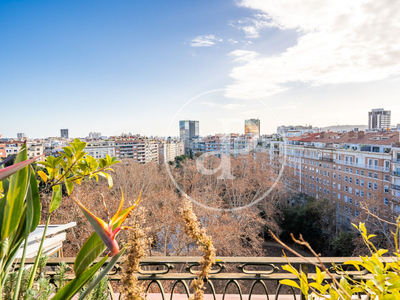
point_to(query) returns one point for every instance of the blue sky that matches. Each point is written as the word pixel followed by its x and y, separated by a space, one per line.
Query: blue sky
pixel 130 66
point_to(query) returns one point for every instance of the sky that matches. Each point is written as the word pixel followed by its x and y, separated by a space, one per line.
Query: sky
pixel 141 66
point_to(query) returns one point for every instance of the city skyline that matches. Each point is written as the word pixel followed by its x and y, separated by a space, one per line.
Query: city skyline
pixel 111 68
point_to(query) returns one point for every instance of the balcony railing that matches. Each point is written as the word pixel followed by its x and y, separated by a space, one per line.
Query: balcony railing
pixel 363 166
pixel 249 275
pixel 395 187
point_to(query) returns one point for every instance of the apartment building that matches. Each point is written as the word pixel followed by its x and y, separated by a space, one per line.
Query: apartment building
pixel 172 149
pixel 13 147
pixel 141 150
pixel 100 149
pixel 345 168
pixel 379 119
pixel 3 151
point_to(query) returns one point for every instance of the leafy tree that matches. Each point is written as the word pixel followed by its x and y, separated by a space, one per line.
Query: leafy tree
pixel 343 244
pixel 312 218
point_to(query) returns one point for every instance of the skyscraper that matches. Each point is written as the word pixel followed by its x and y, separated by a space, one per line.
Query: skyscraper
pixel 21 136
pixel 64 133
pixel 187 131
pixel 252 126
pixel 379 119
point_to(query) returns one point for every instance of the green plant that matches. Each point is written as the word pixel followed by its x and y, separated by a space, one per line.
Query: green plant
pixel 381 282
pixel 20 212
pixel 343 244
pixel 100 291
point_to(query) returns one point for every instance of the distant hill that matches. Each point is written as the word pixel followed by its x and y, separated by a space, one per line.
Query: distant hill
pixel 344 127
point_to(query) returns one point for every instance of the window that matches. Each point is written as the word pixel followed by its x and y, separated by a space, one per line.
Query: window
pixel 339 176
pixel 370 174
pixel 345 178
pixel 338 206
pixel 386 177
pixel 334 175
pixel 376 175
pixel 375 186
pixel 386 189
pixel 346 188
pixel 357 172
pixel 350 189
pixel 338 186
pixel 327 182
pixel 350 179
pixel 356 213
pixel 334 184
pixel 362 182
pixel 349 210
pixel 338 196
pixel 357 181
pixel 362 173
pixel 369 195
pixel 369 184
pixel 356 202
pixel 386 201
pixel 356 192
pixel 334 167
pixel 339 168
pixel 334 194
pixel 327 173
pixel 362 193
pixel 346 169
pixel 351 170
pixel 350 200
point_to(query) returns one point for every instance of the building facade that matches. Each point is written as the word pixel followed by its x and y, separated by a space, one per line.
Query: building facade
pixel 188 130
pixel 379 119
pixel 64 133
pixel 252 126
pixel 345 168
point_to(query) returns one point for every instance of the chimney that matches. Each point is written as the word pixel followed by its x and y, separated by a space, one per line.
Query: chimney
pixel 322 135
pixel 360 134
pixel 351 134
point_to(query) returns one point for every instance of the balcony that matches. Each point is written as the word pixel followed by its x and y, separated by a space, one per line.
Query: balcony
pixel 363 166
pixel 395 187
pixel 255 277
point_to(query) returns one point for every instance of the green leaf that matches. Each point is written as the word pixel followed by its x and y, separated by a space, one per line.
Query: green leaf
pixel 75 285
pixel 15 197
pixel 103 273
pixel 33 203
pixel 90 250
pixel 69 185
pixel 55 198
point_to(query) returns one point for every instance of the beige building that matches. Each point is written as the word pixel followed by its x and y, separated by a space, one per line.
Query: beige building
pixel 100 149
pixel 141 150
pixel 345 168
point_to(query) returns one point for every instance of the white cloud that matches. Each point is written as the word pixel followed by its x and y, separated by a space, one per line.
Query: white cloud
pixel 204 41
pixel 340 41
pixel 252 26
pixel 210 104
pixel 243 55
pixel 232 106
pixel 233 41
pixel 290 105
